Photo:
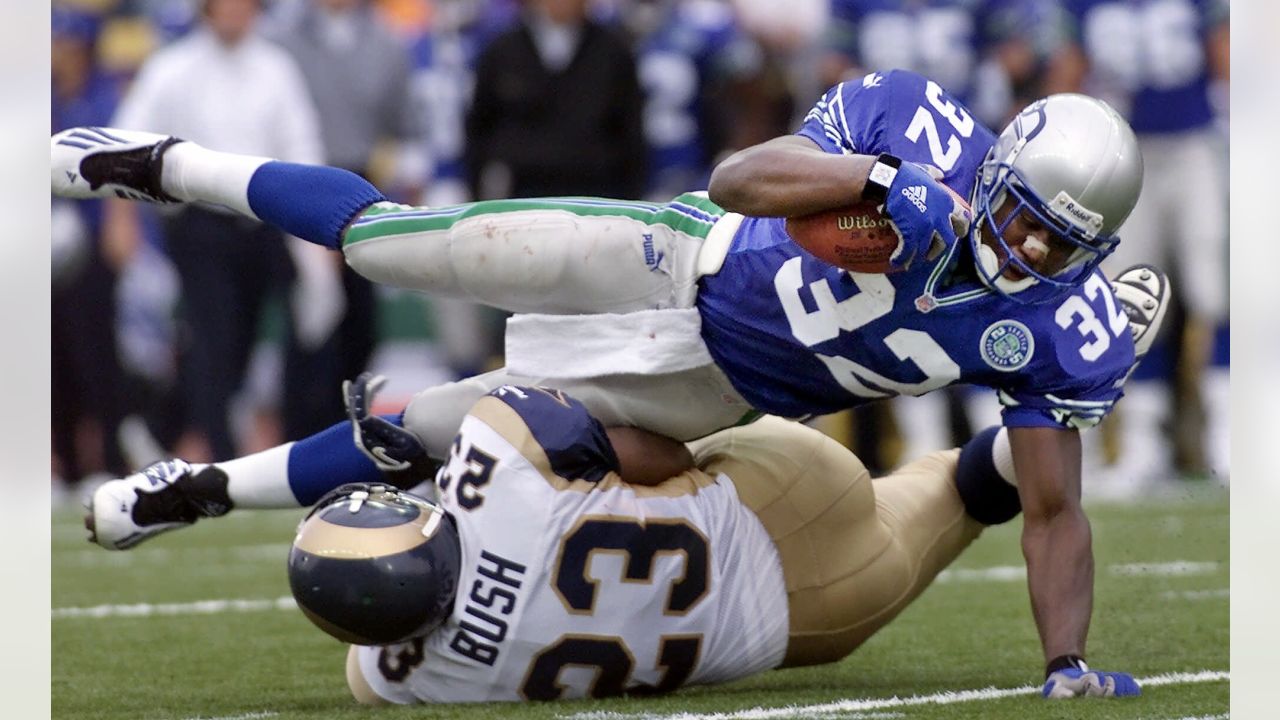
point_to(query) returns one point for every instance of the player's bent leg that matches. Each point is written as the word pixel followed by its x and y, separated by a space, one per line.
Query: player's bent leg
pixel 846 573
pixel 985 478
pixel 682 405
pixel 549 255
pixel 854 551
pixel 435 414
pixel 921 526
pixel 356 682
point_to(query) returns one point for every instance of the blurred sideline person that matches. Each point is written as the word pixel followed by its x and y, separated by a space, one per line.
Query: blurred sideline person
pixel 227 86
pixel 702 313
pixel 86 378
pixel 990 53
pixel 703 78
pixel 357 73
pixel 557 109
pixel 442 84
pixel 1165 66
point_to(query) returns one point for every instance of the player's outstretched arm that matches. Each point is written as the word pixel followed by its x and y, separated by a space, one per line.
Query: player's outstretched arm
pixel 1058 546
pixel 788 176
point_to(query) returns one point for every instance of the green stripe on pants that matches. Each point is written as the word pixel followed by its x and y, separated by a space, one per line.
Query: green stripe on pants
pixel 387 219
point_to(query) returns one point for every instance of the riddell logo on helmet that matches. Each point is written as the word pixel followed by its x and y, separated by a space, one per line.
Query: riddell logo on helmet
pixel 1082 217
pixel 1076 211
pixel 860 222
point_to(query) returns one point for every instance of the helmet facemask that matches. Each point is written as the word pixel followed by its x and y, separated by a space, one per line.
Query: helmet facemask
pixel 1070 165
pixel 1001 185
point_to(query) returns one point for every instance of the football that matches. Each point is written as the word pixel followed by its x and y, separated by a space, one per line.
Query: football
pixel 855 237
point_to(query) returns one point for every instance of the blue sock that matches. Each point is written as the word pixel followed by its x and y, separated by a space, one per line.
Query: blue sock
pixel 986 496
pixel 1222 345
pixel 329 458
pixel 313 202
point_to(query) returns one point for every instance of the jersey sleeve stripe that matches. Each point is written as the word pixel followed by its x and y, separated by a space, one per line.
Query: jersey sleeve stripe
pixel 847 142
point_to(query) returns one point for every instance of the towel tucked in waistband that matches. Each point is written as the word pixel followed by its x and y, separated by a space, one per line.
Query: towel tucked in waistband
pixel 647 342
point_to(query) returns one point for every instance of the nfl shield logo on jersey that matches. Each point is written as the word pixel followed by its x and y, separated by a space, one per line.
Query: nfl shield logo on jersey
pixel 1007 345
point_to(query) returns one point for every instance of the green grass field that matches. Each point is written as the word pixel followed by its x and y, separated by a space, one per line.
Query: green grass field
pixel 1161 609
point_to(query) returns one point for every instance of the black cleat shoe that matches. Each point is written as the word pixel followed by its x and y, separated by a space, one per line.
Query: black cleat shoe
pixel 164 496
pixel 90 162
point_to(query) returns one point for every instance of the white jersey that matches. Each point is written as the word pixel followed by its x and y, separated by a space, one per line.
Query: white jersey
pixel 576 584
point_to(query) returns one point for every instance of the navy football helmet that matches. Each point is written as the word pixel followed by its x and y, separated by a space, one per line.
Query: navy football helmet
pixel 374 565
pixel 1073 163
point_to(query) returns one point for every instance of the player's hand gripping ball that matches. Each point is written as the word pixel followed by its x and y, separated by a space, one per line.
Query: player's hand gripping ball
pixel 860 238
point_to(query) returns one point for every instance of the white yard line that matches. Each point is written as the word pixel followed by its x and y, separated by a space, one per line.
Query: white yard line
pixel 266 552
pixel 1015 573
pixel 1177 568
pixel 1000 573
pixel 278 551
pixel 245 716
pixel 1216 594
pixel 200 607
pixel 842 707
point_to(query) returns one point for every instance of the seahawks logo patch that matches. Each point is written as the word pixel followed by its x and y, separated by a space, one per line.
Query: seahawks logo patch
pixel 1007 345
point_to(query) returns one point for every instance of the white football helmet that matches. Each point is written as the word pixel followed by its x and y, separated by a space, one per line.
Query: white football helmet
pixel 1074 163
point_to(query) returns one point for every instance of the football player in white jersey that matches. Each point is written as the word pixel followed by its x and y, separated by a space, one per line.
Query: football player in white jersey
pixel 562 560
pixel 698 314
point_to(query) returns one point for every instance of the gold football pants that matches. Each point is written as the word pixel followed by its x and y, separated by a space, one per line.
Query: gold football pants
pixel 855 551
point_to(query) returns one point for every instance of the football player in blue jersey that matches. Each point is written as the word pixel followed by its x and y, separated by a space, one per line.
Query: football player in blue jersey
pixel 702 313
pixel 700 73
pixel 988 53
pixel 1165 66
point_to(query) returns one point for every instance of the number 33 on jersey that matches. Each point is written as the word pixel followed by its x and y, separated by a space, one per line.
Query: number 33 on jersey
pixel 574 584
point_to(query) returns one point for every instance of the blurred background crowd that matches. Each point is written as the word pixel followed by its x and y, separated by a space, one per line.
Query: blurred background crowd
pixel 191 332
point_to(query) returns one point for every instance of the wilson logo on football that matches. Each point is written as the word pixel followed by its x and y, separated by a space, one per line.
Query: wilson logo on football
pixel 859 222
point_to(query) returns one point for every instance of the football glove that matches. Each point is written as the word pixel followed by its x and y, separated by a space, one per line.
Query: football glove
pixel 1083 682
pixel 923 212
pixel 397 452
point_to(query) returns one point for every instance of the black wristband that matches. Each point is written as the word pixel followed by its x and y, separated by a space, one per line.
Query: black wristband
pixel 1062 662
pixel 880 179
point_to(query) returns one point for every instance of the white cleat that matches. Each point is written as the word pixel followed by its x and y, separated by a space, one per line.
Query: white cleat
pixel 95 162
pixel 124 512
pixel 1144 294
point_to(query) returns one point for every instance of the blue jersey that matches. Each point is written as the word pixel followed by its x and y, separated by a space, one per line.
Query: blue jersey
pixel 798 336
pixel 442 82
pixel 946 40
pixel 697 45
pixel 441 85
pixel 1148 58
